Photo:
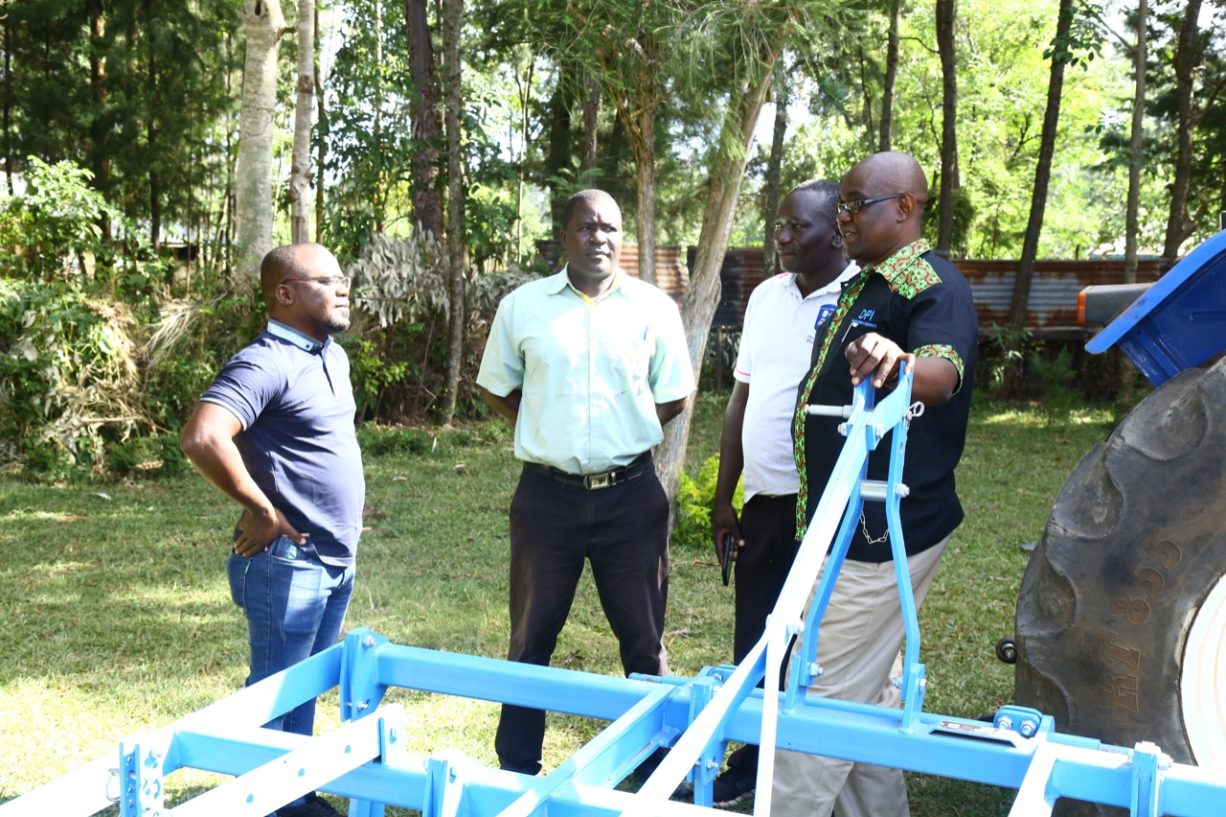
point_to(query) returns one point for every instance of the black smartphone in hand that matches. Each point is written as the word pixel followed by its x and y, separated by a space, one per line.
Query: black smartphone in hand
pixel 726 564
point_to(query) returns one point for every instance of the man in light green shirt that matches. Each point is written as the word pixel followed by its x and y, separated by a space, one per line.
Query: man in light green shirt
pixel 587 365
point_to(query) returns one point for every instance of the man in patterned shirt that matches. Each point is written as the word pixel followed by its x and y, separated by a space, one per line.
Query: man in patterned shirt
pixel 907 304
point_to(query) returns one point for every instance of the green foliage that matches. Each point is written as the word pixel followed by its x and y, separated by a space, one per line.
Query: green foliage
pixel 48 229
pixel 69 373
pixel 91 353
pixel 695 496
pixel 1002 352
pixel 158 455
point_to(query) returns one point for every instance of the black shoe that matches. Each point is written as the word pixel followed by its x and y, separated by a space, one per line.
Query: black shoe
pixel 734 785
pixel 313 806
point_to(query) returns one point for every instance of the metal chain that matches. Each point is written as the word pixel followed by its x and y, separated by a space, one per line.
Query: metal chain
pixel 869 539
pixel 916 410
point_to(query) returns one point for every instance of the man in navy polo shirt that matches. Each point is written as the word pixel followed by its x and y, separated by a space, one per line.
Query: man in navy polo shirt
pixel 275 432
pixel 906 304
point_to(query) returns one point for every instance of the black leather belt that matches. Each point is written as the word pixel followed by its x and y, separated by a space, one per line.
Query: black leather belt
pixel 594 482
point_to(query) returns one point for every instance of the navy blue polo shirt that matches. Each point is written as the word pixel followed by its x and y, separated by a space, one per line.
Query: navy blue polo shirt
pixel 294 400
pixel 921 302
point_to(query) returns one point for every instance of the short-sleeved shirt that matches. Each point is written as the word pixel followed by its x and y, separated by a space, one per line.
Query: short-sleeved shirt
pixel 293 398
pixel 921 302
pixel 591 371
pixel 778 334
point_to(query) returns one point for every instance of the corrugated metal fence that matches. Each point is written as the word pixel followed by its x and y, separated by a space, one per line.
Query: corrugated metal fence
pixel 1052 310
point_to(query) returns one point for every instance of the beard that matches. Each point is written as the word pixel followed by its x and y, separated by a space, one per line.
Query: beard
pixel 338 320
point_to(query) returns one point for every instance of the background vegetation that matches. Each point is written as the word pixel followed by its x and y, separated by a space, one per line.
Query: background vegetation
pixel 123 285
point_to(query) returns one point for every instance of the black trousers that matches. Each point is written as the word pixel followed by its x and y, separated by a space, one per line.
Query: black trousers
pixel 622 530
pixel 769 526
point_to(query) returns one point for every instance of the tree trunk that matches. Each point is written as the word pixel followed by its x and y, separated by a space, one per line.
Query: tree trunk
pixel 702 296
pixel 525 100
pixel 643 144
pixel 891 72
pixel 558 151
pixel 946 13
pixel 774 170
pixel 101 161
pixel 151 133
pixel 321 146
pixel 453 28
pixel 1042 172
pixel 379 194
pixel 426 124
pixel 1136 143
pixel 867 111
pixel 640 130
pixel 8 96
pixel 1187 56
pixel 591 116
pixel 263 24
pixel 300 167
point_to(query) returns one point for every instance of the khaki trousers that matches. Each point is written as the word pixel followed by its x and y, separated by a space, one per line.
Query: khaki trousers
pixel 861 634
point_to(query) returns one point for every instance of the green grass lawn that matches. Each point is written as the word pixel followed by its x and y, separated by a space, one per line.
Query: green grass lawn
pixel 117 616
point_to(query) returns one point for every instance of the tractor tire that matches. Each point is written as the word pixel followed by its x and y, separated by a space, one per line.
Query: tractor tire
pixel 1121 617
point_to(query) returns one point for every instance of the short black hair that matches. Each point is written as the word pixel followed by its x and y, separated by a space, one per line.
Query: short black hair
pixel 583 196
pixel 825 189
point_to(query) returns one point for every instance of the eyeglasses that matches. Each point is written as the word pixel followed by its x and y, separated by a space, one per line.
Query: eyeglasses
pixel 852 207
pixel 323 280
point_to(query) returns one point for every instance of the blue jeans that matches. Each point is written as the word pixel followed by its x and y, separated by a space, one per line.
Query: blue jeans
pixel 295 607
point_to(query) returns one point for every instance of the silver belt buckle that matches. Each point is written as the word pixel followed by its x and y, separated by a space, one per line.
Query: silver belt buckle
pixel 594 482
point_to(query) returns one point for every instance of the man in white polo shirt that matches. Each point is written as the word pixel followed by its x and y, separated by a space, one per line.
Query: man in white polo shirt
pixel 784 314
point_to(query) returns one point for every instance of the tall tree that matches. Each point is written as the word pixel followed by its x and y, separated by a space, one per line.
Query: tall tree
pixel 6 120
pixel 1187 57
pixel 1136 143
pixel 1061 53
pixel 300 168
pixel 629 42
pixel 891 74
pixel 427 124
pixel 453 29
pixel 263 24
pixel 591 118
pixel 321 146
pixel 946 11
pixel 774 168
pixel 761 30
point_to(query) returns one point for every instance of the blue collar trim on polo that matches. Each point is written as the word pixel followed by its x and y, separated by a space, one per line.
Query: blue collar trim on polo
pixel 304 342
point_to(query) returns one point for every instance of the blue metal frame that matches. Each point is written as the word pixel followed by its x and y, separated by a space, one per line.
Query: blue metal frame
pixel 1179 322
pixel 365 759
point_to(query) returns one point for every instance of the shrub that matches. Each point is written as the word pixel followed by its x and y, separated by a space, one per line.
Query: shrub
pixel 694 500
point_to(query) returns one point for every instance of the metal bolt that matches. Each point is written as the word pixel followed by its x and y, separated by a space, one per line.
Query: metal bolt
pixel 1004 722
pixel 368 641
pixel 1028 728
pixel 844 428
pixel 897 681
pixel 363 705
pixel 815 669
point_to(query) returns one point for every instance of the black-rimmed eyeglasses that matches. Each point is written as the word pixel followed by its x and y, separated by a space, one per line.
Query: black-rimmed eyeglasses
pixel 853 207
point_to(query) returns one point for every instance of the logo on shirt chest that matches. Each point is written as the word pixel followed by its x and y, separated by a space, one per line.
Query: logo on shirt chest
pixel 823 317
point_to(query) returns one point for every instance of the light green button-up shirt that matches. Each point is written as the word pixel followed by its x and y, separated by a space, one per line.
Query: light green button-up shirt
pixel 591 372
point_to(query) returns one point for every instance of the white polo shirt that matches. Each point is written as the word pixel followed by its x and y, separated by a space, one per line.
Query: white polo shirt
pixel 776 343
